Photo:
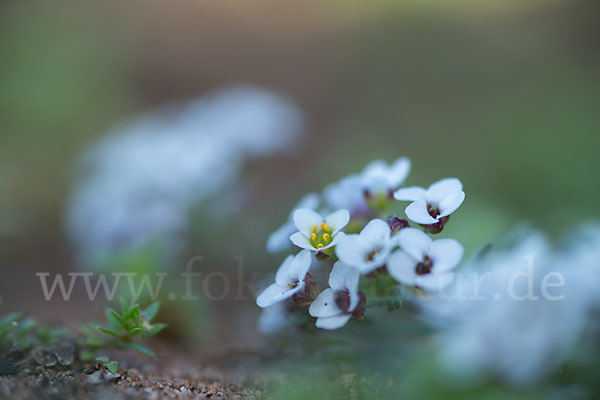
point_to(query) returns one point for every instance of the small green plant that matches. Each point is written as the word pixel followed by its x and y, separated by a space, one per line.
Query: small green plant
pixel 123 330
pixel 111 365
pixel 14 330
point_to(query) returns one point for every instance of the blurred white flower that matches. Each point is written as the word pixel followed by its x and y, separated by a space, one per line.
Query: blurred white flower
pixel 335 305
pixel 274 319
pixel 367 250
pixel 316 233
pixel 138 183
pixel 433 205
pixel 280 239
pixel 346 194
pixel 423 262
pixel 289 279
pixel 501 317
pixel 377 181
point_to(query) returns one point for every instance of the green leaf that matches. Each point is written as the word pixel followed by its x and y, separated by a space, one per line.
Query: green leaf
pixel 124 306
pixel 136 331
pixel 113 320
pixel 109 332
pixel 87 355
pixel 142 349
pixel 9 319
pixel 103 359
pixel 26 325
pixel 96 341
pixel 134 314
pixel 151 311
pixel 155 329
pixel 112 366
pixel 124 324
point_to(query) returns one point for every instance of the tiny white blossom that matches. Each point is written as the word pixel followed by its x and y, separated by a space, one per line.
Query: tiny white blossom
pixel 347 194
pixel 316 233
pixel 289 279
pixel 376 181
pixel 430 206
pixel 335 305
pixel 368 250
pixel 378 178
pixel 423 262
pixel 280 239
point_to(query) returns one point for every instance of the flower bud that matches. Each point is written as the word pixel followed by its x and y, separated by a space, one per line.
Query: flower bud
pixel 360 309
pixel 438 226
pixel 397 224
pixel 342 300
pixel 308 294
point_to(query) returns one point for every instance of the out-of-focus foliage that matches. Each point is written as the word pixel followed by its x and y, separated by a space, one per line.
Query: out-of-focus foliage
pixel 124 330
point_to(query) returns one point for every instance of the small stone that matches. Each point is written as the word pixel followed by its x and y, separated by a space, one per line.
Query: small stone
pixel 15 353
pixel 65 352
pixel 43 357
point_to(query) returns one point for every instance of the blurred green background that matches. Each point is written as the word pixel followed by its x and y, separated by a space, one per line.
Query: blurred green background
pixel 504 95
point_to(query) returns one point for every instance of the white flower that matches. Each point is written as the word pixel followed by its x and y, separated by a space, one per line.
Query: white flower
pixel 280 239
pixel 317 233
pixel 377 181
pixel 378 178
pixel 274 319
pixel 347 194
pixel 423 262
pixel 335 305
pixel 136 185
pixel 368 250
pixel 289 279
pixel 432 205
pixel 517 339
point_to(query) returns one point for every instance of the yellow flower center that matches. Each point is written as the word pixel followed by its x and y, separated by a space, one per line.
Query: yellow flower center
pixel 321 236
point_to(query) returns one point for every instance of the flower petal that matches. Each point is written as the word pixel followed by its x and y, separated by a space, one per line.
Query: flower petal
pixel 324 305
pixel 445 254
pixel 402 267
pixel 433 282
pixel 398 172
pixel 273 294
pixel 351 250
pixel 414 242
pixel 305 220
pixel 412 193
pixel 334 322
pixel 451 204
pixel 417 212
pixel 300 265
pixel 373 169
pixel 343 275
pixel 280 239
pixel 302 241
pixel 309 201
pixel 337 220
pixel 376 233
pixel 442 189
pixel 283 276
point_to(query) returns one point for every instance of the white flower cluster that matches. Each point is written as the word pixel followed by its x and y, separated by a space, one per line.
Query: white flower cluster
pixel 520 313
pixel 343 229
pixel 137 184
